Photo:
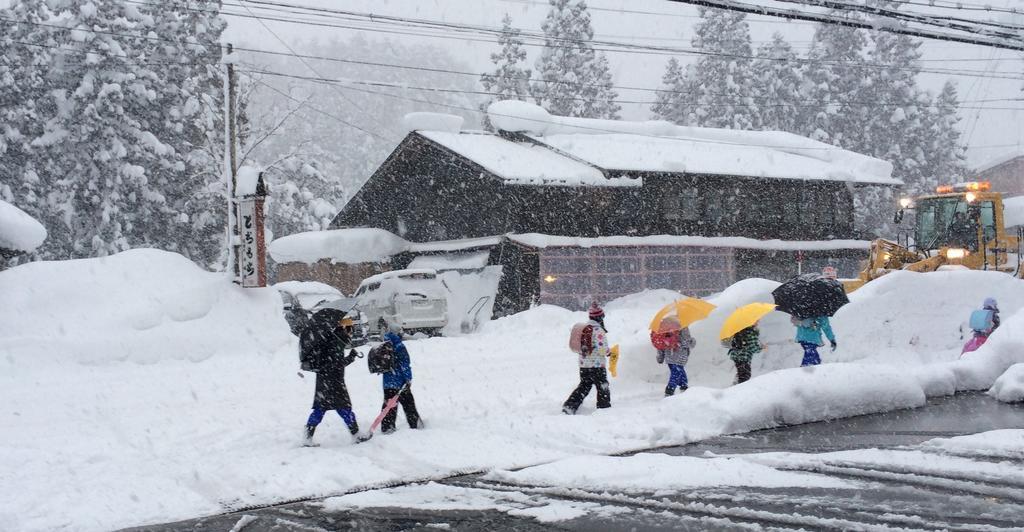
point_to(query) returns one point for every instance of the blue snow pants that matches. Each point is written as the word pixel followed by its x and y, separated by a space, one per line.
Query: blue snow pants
pixel 811 356
pixel 677 377
pixel 317 415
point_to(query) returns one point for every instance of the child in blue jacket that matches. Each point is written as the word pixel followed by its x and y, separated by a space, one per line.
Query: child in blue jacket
pixel 394 381
pixel 808 335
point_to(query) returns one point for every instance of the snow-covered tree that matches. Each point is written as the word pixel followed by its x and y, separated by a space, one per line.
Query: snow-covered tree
pixel 509 80
pixel 111 121
pixel 575 80
pixel 833 77
pixel 722 79
pixel 945 160
pixel 672 102
pixel 778 86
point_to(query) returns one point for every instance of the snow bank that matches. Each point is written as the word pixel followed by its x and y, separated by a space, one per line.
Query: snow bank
pixel 337 245
pixel 432 122
pixel 1009 387
pixel 140 306
pixel 999 444
pixel 18 230
pixel 656 472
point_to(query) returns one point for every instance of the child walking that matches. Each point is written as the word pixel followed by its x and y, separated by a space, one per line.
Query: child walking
pixel 742 348
pixel 673 344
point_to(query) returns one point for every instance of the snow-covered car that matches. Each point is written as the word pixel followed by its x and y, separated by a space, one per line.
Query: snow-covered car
pixel 415 299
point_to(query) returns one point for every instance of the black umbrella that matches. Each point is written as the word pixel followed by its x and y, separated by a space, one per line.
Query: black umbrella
pixel 810 295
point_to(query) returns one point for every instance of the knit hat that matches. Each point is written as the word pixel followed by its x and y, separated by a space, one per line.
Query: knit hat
pixel 595 311
pixel 990 302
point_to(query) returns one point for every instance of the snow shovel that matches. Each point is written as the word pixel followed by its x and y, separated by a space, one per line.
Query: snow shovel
pixel 389 406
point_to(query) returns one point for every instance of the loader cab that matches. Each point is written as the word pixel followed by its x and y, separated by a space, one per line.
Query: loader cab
pixel 960 222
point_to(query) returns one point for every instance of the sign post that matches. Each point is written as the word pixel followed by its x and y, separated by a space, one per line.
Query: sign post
pixel 252 250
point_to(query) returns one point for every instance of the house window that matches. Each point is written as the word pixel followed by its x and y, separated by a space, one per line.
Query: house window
pixel 670 206
pixel 684 205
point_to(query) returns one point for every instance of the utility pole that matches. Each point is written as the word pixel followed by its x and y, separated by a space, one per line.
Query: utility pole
pixel 231 165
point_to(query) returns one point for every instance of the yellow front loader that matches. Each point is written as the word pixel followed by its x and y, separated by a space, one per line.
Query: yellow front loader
pixel 960 226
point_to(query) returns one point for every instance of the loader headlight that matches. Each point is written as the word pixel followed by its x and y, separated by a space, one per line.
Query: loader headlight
pixel 971 197
pixel 956 253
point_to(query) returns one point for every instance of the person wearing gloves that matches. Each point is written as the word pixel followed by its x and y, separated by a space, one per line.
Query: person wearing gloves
pixel 674 347
pixel 808 335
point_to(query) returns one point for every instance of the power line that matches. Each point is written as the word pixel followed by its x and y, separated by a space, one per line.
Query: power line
pixel 948 22
pixel 310 67
pixel 805 104
pixel 792 14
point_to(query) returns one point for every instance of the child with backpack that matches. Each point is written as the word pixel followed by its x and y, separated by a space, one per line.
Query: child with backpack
pixel 673 343
pixel 594 349
pixel 322 347
pixel 742 347
pixel 983 322
pixel 808 335
pixel 397 380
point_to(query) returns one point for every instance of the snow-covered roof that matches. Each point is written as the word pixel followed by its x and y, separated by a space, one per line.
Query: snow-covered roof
pixel 1000 160
pixel 246 181
pixel 357 245
pixel 1013 211
pixel 452 261
pixel 18 230
pixel 577 151
pixel 351 246
pixel 537 240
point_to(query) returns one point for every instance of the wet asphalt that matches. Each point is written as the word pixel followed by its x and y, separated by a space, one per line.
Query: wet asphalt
pixel 884 500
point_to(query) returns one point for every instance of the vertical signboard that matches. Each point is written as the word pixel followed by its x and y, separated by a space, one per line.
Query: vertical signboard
pixel 249 265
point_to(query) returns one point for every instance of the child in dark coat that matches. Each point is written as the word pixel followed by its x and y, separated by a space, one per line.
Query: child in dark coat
pixel 326 338
pixel 742 348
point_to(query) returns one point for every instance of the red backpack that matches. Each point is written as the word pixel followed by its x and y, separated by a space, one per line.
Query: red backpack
pixel 576 336
pixel 665 341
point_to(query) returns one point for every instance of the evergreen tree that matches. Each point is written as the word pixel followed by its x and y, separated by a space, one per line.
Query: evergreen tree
pixel 946 162
pixel 574 79
pixel 672 102
pixel 832 87
pixel 509 81
pixel 778 86
pixel 721 79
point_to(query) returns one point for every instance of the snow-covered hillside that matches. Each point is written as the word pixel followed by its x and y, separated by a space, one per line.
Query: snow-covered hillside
pixel 139 388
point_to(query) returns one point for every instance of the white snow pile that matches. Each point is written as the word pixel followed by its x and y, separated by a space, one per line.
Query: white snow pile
pixel 247 181
pixel 432 122
pixel 309 293
pixel 1013 211
pixel 140 389
pixel 18 230
pixel 338 245
pixel 1009 387
pixel 994 444
pixel 654 472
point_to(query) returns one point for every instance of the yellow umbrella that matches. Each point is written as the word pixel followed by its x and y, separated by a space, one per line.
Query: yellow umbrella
pixel 613 361
pixel 686 312
pixel 744 317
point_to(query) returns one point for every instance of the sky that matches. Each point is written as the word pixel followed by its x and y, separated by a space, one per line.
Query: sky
pixel 990 133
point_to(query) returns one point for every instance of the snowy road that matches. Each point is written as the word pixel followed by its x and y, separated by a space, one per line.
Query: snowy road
pixel 899 470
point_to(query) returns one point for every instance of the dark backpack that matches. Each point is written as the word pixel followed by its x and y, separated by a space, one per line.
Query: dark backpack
pixel 381 358
pixel 309 355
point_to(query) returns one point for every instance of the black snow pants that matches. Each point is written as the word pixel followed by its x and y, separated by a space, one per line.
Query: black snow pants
pixel 742 371
pixel 597 377
pixel 408 405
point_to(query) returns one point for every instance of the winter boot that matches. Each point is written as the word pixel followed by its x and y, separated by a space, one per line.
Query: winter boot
pixel 683 388
pixel 308 440
pixel 568 410
pixel 670 391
